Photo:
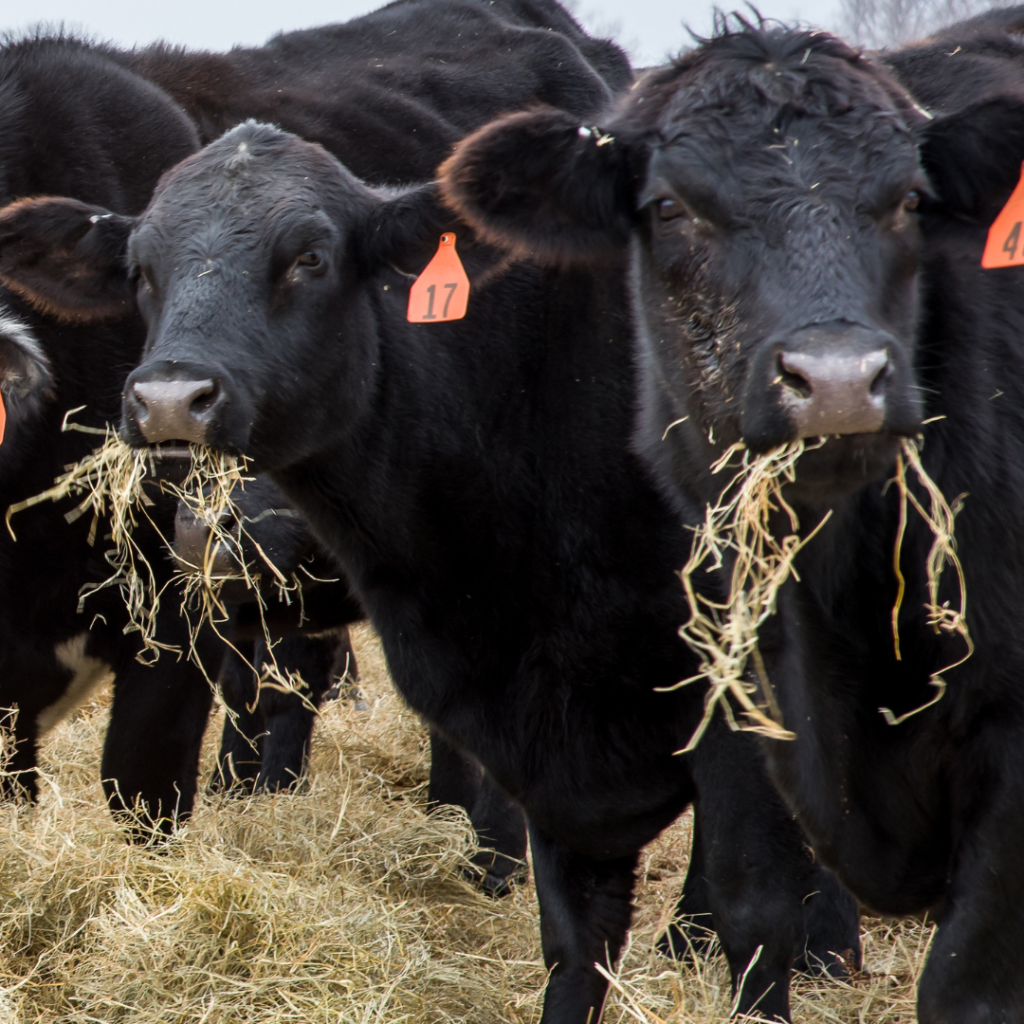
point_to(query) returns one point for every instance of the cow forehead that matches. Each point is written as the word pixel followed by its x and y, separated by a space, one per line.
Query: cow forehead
pixel 742 85
pixel 201 214
pixel 253 172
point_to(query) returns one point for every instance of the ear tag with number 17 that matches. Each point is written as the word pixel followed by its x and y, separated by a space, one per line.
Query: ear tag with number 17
pixel 441 292
pixel 1005 247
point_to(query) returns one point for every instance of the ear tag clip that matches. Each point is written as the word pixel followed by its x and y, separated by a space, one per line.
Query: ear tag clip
pixel 1005 247
pixel 3 418
pixel 441 292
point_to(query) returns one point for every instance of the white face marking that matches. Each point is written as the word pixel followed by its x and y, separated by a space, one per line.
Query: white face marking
pixel 88 674
pixel 35 364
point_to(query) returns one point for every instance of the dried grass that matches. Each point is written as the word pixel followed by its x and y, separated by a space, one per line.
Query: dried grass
pixel 738 532
pixel 111 482
pixel 342 903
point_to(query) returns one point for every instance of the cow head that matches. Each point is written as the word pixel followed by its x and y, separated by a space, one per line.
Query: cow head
pixel 262 244
pixel 769 187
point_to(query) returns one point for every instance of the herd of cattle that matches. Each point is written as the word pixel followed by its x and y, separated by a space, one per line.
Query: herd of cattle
pixel 774 237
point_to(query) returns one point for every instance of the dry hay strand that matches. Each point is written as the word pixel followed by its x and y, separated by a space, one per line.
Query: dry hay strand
pixel 344 903
pixel 111 479
pixel 111 482
pixel 737 531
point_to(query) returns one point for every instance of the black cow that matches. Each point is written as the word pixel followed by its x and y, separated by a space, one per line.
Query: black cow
pixel 805 248
pixel 475 482
pixel 391 92
pixel 964 63
pixel 74 122
pixel 108 136
pixel 65 110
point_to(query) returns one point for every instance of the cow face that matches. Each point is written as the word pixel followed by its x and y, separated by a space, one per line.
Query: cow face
pixel 770 186
pixel 250 269
pixel 260 245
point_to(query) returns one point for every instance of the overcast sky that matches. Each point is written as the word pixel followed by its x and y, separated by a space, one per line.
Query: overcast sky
pixel 649 29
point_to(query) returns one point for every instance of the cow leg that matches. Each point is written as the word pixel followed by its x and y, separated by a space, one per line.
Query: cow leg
pixel 501 829
pixel 692 930
pixel 151 754
pixel 973 974
pixel 345 673
pixel 457 778
pixel 831 929
pixel 831 936
pixel 757 867
pixel 289 717
pixel 585 909
pixel 240 757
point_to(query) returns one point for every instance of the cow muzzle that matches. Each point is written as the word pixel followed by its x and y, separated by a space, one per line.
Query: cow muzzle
pixel 834 392
pixel 174 410
pixel 185 403
pixel 828 380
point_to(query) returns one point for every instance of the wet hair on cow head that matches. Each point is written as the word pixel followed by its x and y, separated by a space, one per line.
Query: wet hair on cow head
pixel 768 186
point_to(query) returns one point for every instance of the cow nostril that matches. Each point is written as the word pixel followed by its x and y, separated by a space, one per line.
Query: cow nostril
pixel 790 377
pixel 877 389
pixel 204 398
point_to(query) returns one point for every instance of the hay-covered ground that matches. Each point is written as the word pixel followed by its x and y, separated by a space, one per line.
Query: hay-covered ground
pixel 340 903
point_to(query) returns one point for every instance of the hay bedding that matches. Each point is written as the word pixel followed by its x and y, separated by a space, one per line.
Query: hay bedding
pixel 340 903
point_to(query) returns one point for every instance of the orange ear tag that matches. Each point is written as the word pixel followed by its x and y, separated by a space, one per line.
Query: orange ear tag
pixel 441 292
pixel 1005 247
pixel 3 418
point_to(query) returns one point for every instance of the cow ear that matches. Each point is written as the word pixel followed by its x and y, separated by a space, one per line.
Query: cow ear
pixel 973 158
pixel 66 259
pixel 403 230
pixel 542 185
pixel 26 378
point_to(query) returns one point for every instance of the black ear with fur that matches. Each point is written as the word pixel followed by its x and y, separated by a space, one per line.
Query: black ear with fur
pixel 404 230
pixel 974 157
pixel 542 185
pixel 66 259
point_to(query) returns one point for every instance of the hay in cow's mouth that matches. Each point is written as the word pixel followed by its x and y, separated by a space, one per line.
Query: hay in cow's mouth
pixel 724 633
pixel 111 480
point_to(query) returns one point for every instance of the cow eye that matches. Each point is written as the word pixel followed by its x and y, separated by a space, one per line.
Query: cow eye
pixel 912 200
pixel 669 209
pixel 309 259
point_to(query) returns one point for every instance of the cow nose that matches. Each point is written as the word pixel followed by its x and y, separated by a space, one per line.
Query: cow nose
pixel 834 392
pixel 175 410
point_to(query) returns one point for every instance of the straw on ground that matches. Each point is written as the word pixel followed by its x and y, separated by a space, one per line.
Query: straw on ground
pixel 342 903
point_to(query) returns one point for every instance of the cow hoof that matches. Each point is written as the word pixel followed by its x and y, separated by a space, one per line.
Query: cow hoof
pixel 685 941
pixel 487 875
pixel 837 966
pixel 353 694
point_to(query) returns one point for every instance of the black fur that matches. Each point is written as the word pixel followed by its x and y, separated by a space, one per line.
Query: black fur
pixel 265 742
pixel 925 815
pixel 79 121
pixel 392 91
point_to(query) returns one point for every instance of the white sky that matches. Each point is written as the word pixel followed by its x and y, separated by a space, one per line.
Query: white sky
pixel 650 29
